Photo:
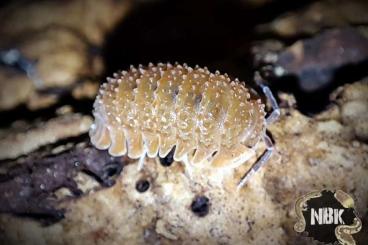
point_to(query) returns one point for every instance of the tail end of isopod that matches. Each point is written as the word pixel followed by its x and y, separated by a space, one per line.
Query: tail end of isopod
pixel 99 135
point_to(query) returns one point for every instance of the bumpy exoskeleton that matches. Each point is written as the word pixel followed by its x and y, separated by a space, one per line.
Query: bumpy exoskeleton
pixel 205 116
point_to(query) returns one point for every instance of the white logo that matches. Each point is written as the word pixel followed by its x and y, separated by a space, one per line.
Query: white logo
pixel 326 216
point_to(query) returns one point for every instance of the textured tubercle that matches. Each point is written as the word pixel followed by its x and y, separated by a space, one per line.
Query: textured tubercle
pixel 149 110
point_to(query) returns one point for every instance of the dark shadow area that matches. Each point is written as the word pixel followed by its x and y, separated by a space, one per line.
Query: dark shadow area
pixel 23 113
pixel 317 101
pixel 216 34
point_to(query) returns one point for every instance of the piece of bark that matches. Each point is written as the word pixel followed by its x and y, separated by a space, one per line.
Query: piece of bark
pixel 17 142
pixel 29 185
pixel 315 61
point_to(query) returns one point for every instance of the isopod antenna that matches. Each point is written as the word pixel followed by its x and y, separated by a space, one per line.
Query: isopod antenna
pixel 273 116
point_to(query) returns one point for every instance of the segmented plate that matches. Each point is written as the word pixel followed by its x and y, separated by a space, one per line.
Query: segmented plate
pixel 149 110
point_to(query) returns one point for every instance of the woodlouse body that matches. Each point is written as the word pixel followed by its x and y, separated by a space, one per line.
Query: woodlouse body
pixel 149 110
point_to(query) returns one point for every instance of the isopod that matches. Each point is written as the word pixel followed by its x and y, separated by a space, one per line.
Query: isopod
pixel 148 110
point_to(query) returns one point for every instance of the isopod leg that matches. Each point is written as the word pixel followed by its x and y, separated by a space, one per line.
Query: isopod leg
pixel 260 162
pixel 187 167
pixel 268 93
pixel 141 162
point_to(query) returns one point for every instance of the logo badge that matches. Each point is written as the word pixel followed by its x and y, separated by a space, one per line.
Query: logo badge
pixel 327 216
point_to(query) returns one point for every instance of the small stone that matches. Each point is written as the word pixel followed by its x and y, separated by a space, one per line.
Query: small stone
pixel 200 206
pixel 142 186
